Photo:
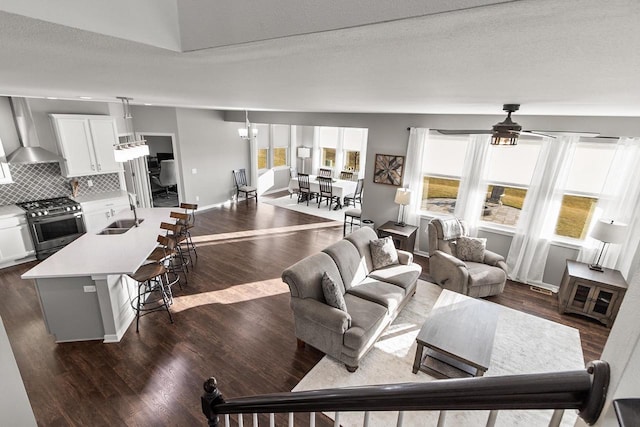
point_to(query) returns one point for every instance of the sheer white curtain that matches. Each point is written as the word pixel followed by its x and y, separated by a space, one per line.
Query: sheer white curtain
pixel 316 152
pixel 530 245
pixel 413 177
pixel 620 201
pixel 472 192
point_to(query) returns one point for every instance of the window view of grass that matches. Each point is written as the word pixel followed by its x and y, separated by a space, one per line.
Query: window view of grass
pixel 575 216
pixel 439 194
pixel 262 158
pixel 503 205
pixel 279 157
pixel 328 157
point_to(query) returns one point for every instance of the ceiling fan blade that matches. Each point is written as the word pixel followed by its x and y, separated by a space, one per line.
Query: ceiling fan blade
pixel 536 134
pixel 462 131
pixel 555 133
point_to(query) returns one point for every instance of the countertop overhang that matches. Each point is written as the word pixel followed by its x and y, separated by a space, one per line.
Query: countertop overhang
pixel 103 255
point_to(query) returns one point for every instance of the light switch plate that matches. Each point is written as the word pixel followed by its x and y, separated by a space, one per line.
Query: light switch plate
pixel 194 171
pixel 89 288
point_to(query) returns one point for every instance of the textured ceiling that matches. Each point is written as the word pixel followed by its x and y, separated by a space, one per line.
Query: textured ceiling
pixel 562 57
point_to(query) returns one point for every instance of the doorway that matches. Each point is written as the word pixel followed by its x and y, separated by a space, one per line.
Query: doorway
pixel 163 175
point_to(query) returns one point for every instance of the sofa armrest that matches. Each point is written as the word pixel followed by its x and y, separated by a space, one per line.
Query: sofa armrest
pixel 449 272
pixel 331 318
pixel 404 257
pixel 494 259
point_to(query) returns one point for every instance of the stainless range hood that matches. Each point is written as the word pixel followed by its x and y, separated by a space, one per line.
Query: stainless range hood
pixel 29 150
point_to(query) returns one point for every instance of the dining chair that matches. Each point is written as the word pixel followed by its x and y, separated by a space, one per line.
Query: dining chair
pixel 326 192
pixel 293 173
pixel 325 172
pixel 346 175
pixel 240 178
pixel 356 196
pixel 304 188
pixel 190 209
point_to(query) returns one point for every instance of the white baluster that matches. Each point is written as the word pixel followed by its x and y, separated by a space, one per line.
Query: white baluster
pixel 491 421
pixel 336 422
pixel 441 418
pixel 400 419
pixel 240 421
pixel 227 420
pixel 312 419
pixel 272 420
pixel 290 419
pixel 556 418
pixel 255 419
pixel 366 419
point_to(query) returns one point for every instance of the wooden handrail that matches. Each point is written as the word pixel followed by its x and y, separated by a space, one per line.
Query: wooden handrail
pixel 584 390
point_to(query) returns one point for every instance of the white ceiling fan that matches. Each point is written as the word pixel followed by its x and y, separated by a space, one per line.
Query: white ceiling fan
pixel 507 131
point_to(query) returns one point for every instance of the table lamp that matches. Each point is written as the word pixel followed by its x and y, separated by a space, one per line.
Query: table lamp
pixel 403 198
pixel 607 232
pixel 304 153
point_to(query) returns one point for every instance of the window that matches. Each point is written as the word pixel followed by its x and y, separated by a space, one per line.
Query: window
pixel 328 143
pixel 353 144
pixel 585 179
pixel 328 157
pixel 342 148
pixel 280 145
pixel 352 160
pixel 262 158
pixel 442 170
pixel 509 173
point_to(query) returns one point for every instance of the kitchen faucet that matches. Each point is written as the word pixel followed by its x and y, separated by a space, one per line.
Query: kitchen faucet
pixel 133 208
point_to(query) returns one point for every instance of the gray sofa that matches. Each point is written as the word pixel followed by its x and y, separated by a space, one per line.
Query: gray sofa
pixel 373 297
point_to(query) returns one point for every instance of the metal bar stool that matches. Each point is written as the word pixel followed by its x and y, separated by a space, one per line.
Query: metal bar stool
pixel 182 219
pixel 190 209
pixel 174 233
pixel 351 215
pixel 165 255
pixel 149 278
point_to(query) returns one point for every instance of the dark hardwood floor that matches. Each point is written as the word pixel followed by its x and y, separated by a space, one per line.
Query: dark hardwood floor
pixel 232 321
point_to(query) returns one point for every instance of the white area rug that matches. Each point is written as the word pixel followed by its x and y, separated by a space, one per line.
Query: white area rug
pixel 312 209
pixel 523 344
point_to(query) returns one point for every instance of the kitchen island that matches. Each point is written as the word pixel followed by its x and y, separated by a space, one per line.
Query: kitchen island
pixel 84 290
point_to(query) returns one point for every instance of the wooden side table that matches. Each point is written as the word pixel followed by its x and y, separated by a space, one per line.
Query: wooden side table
pixel 591 293
pixel 404 237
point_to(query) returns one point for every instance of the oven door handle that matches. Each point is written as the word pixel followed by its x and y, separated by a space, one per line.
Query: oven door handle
pixel 44 220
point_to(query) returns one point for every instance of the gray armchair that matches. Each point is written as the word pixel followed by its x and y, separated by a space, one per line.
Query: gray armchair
pixel 475 279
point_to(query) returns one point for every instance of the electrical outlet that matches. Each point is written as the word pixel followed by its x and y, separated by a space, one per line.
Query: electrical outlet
pixel 90 288
pixel 197 198
pixel 90 183
pixel 194 171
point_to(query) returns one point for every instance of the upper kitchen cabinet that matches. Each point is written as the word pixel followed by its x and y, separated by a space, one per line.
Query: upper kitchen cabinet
pixel 5 173
pixel 86 144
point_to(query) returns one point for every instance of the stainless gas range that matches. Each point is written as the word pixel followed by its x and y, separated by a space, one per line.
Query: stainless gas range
pixel 53 223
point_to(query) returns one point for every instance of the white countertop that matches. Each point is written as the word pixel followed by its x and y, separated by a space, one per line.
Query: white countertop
pixel 8 211
pixel 101 255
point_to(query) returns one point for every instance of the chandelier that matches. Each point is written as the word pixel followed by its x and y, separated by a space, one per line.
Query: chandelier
pixel 248 129
pixel 131 148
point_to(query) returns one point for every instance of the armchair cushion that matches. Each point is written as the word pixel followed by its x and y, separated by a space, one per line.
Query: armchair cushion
pixel 471 248
pixel 332 293
pixel 383 252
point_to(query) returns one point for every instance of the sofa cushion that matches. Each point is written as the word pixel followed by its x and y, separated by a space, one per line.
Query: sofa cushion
pixel 332 293
pixel 383 252
pixel 471 248
pixel 383 293
pixel 352 265
pixel 483 274
pixel 305 277
pixel 404 276
pixel 360 239
pixel 366 318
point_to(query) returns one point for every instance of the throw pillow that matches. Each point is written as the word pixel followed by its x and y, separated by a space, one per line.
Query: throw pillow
pixel 471 248
pixel 332 293
pixel 383 252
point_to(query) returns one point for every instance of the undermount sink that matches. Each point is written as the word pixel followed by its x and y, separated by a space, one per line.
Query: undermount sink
pixel 114 231
pixel 124 223
pixel 120 226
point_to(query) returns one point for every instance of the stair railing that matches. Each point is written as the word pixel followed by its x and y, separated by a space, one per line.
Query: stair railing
pixel 584 390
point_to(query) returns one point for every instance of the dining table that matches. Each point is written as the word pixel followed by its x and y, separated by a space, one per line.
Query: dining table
pixel 341 187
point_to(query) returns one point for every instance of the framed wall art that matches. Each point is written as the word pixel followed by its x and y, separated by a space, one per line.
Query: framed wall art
pixel 388 169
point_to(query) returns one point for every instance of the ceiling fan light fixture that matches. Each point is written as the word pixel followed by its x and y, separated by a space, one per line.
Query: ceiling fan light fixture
pixel 507 131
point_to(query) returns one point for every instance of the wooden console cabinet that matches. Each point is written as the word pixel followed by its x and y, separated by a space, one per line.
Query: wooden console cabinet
pixel 404 237
pixel 591 293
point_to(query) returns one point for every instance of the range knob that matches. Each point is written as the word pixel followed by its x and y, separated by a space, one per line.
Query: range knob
pixel 39 213
pixel 68 208
pixel 33 214
pixel 46 213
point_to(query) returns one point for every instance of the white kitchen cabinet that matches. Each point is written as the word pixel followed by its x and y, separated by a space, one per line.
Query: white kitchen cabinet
pixel 86 144
pixel 15 240
pixel 99 213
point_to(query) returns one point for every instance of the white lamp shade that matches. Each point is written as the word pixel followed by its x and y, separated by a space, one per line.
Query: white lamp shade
pixel 403 196
pixel 304 152
pixel 608 232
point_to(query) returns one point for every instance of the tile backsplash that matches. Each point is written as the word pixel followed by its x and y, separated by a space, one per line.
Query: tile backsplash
pixel 44 181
